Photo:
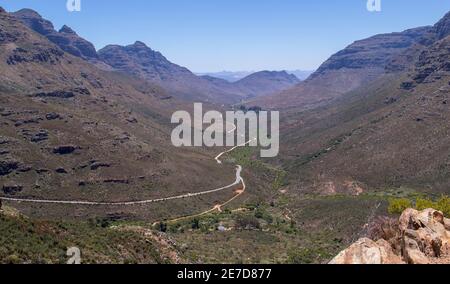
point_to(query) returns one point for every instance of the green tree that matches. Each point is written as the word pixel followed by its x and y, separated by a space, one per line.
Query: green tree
pixel 397 206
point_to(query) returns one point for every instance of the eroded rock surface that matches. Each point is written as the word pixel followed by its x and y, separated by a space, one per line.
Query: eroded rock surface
pixel 424 238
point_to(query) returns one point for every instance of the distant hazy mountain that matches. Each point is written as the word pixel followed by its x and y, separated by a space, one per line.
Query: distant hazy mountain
pixel 301 74
pixel 266 82
pixel 140 60
pixel 228 75
pixel 231 76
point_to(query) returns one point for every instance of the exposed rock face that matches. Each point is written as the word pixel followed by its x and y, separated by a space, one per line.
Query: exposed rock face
pixel 433 63
pixel 64 150
pixel 41 135
pixel 41 55
pixel 12 189
pixel 52 116
pixel 366 251
pixel 70 42
pixel 34 21
pixel 63 94
pixel 56 94
pixel 424 238
pixel 66 38
pixel 442 28
pixel 7 167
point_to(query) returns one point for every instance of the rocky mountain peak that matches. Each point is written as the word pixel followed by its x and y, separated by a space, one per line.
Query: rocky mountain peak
pixel 28 13
pixel 2 10
pixel 35 21
pixel 140 44
pixel 67 39
pixel 67 30
pixel 141 49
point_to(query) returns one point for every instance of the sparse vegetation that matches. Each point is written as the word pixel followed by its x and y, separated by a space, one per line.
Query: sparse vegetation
pixel 25 240
pixel 246 222
pixel 398 205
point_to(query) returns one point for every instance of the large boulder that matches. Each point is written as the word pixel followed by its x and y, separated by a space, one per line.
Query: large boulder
pixel 424 239
pixel 366 251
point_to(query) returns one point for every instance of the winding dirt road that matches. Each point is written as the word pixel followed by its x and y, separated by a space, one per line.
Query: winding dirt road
pixel 238 181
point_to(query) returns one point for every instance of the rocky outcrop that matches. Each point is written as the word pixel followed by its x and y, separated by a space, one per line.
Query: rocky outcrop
pixel 433 63
pixel 40 55
pixel 7 167
pixel 366 251
pixel 55 94
pixel 423 238
pixel 52 116
pixel 64 150
pixel 63 94
pixel 12 189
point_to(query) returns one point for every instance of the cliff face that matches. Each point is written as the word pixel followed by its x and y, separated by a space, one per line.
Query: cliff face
pixel 421 238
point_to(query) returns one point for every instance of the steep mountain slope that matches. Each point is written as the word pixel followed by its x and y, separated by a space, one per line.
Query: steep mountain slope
pixel 392 132
pixel 70 131
pixel 357 65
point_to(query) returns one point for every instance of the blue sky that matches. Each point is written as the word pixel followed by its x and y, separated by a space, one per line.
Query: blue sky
pixel 216 35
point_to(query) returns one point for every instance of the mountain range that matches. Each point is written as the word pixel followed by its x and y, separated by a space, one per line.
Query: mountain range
pixel 232 77
pixel 141 61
